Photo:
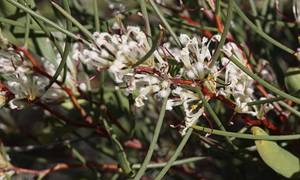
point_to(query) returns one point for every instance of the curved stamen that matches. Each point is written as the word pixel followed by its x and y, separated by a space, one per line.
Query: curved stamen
pixel 164 34
pixel 277 8
pixel 224 84
pixel 224 67
pixel 230 123
pixel 210 124
pixel 179 124
pixel 89 79
pixel 264 63
pixel 166 59
pixel 165 55
pixel 168 51
pixel 145 22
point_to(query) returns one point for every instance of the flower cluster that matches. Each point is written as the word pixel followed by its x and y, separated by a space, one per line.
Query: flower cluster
pixel 22 84
pixel 120 53
pixel 240 89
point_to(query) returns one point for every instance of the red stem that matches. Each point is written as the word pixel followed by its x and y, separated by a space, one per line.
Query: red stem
pixel 70 122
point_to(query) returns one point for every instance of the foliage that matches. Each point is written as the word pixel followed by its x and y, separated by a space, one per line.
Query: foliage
pixel 149 89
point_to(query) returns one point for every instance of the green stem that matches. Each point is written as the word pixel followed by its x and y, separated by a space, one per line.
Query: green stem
pixel 258 102
pixel 176 163
pixel 291 109
pixel 188 134
pixel 182 24
pixel 175 155
pixel 118 148
pixel 73 20
pixel 145 14
pixel 165 23
pixel 65 53
pixel 213 115
pixel 247 136
pixel 26 35
pixel 260 32
pixel 81 158
pixel 3 152
pixel 276 22
pixel 96 16
pixel 67 45
pixel 253 7
pixel 154 140
pixel 225 32
pixel 47 21
pixel 218 10
pixel 36 27
pixel 275 99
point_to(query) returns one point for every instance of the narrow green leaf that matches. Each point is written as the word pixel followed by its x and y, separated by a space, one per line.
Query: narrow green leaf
pixel 247 136
pixel 77 154
pixel 118 149
pixel 153 142
pixel 73 20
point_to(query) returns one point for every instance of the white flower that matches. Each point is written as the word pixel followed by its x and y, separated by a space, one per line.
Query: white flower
pixel 26 87
pixel 119 53
pixel 240 89
pixel 196 59
pixel 264 109
pixel 12 63
pixel 191 102
pixel 147 84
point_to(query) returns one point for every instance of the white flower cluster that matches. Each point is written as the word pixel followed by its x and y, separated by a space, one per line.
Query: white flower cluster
pixel 240 89
pixel 119 53
pixel 23 84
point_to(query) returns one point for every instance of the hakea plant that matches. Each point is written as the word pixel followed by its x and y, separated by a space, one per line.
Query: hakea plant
pixel 120 54
pixel 180 70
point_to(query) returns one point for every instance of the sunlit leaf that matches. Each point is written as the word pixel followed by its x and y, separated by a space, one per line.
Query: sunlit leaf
pixel 277 158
